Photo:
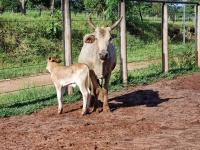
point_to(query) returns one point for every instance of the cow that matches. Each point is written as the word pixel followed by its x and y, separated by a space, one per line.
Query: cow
pixel 99 54
pixel 76 74
pixel 1 9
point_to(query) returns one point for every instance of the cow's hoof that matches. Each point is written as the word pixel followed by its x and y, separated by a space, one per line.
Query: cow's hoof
pixel 98 110
pixel 106 109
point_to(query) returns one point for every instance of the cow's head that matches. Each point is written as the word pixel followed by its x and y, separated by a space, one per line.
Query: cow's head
pixel 102 36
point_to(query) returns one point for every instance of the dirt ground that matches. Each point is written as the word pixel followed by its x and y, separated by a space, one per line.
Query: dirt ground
pixel 16 84
pixel 163 115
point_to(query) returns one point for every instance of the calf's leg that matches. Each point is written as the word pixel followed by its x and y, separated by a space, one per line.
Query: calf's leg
pixel 86 97
pixel 59 91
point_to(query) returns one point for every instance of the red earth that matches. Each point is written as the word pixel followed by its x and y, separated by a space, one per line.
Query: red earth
pixel 162 115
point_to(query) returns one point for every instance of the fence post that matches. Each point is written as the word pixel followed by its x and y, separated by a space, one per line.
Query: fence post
pixel 197 35
pixel 165 64
pixel 67 45
pixel 123 57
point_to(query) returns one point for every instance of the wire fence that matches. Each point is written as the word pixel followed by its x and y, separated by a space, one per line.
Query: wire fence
pixel 24 50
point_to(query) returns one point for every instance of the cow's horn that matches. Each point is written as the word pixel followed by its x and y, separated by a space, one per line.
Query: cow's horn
pixel 91 23
pixel 116 23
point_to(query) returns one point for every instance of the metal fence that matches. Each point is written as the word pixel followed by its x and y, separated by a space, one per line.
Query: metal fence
pixel 27 64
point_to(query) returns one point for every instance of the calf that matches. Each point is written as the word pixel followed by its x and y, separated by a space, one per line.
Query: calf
pixel 64 75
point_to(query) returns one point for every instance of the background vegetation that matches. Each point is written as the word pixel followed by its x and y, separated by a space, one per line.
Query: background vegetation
pixel 27 40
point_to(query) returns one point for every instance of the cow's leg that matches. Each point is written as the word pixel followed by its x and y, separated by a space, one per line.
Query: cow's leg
pixel 94 85
pixel 106 107
pixel 59 91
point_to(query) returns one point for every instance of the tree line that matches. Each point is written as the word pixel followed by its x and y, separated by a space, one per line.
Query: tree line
pixel 107 8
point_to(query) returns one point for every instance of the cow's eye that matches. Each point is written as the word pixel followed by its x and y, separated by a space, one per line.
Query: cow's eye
pixel 96 39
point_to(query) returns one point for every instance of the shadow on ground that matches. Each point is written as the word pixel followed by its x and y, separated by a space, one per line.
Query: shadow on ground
pixel 149 98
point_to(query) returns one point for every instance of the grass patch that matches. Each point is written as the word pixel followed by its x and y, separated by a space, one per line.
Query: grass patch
pixel 29 100
pixel 153 73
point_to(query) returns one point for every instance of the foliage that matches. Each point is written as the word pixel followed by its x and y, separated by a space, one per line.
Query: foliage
pixel 9 5
pixel 25 35
pixel 98 6
pixel 45 3
pixel 77 5
pixel 182 56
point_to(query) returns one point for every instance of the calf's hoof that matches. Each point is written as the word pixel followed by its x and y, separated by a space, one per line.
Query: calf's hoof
pixel 60 111
pixel 85 112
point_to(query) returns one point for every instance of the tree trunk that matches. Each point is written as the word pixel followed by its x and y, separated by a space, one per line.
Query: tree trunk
pixel 52 7
pixel 140 14
pixel 23 6
pixel 40 11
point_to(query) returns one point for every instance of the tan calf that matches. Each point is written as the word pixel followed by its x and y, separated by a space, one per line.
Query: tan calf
pixel 64 75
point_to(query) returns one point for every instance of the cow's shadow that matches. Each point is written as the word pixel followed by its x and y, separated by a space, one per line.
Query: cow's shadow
pixel 149 98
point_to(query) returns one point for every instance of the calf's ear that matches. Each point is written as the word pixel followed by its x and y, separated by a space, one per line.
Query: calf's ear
pixel 52 59
pixel 49 58
pixel 90 39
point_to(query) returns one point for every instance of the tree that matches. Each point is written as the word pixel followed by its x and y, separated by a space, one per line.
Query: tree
pixel 52 6
pixel 156 8
pixel 11 5
pixel 98 6
pixel 77 5
pixel 23 6
pixel 41 4
pixel 133 9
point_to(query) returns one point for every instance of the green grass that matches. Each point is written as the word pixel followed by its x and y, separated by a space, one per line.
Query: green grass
pixel 12 72
pixel 153 73
pixel 29 100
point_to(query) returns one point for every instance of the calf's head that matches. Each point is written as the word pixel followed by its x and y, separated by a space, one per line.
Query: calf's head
pixel 102 37
pixel 52 62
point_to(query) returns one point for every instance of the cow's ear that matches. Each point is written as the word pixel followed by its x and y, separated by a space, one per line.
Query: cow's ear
pixel 113 36
pixel 90 39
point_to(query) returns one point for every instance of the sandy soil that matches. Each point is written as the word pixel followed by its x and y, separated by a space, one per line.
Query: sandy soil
pixel 163 115
pixel 16 84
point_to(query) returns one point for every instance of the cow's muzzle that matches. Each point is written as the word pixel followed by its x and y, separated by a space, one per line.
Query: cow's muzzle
pixel 103 55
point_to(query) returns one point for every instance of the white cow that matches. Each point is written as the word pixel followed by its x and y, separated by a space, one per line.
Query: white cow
pixel 99 54
pixel 64 75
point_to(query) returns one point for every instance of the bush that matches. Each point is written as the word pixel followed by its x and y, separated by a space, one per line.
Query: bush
pixel 9 5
